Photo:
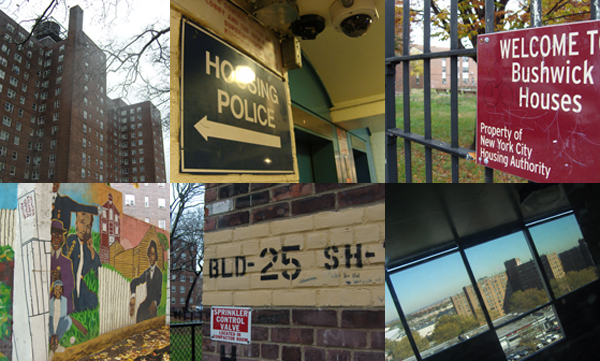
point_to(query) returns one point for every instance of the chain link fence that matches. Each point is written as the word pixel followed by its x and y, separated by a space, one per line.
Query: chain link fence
pixel 186 341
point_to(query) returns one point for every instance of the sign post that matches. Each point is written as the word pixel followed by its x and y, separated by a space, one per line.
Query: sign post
pixel 235 113
pixel 231 324
pixel 538 102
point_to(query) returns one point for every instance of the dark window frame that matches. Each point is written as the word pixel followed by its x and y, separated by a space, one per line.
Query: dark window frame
pixel 461 248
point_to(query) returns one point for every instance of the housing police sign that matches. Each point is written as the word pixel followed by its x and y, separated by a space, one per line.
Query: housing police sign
pixel 235 113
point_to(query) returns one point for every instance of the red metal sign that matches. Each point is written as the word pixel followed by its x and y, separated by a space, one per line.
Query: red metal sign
pixel 231 324
pixel 538 102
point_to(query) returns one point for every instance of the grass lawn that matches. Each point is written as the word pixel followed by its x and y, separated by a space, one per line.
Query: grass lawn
pixel 181 344
pixel 469 171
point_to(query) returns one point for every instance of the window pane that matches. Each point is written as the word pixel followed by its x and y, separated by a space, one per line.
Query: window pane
pixel 529 334
pixel 564 253
pixel 397 346
pixel 425 293
pixel 507 277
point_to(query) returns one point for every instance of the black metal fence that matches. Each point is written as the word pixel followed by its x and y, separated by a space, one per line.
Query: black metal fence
pixel 392 131
pixel 186 341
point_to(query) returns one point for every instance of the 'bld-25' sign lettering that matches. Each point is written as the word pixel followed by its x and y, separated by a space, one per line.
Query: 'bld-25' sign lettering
pixel 237 266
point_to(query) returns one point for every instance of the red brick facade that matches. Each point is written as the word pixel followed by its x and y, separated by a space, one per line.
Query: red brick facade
pixel 57 122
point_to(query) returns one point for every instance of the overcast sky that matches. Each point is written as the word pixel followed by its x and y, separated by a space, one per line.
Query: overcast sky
pixel 105 21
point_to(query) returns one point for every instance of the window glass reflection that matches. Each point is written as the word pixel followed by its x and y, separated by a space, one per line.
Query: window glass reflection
pixel 529 334
pixel 426 294
pixel 397 346
pixel 507 277
pixel 564 253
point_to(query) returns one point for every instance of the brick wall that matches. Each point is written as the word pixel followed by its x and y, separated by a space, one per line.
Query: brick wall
pixel 308 259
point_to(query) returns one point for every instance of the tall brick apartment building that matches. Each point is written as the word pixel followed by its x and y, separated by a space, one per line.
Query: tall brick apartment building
pixel 495 290
pixel 308 260
pixel 57 122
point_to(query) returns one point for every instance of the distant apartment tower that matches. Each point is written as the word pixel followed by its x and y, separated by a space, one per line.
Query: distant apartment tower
pixel 524 276
pixel 576 258
pixel 148 202
pixel 57 122
pixel 495 291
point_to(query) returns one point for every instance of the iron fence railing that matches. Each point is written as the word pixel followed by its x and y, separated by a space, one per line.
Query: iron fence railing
pixel 186 341
pixel 392 131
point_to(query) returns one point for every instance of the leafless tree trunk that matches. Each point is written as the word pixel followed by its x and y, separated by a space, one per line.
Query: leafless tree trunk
pixel 187 231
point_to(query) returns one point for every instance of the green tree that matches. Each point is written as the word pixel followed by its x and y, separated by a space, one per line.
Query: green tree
pixel 450 326
pixel 401 349
pixel 522 301
pixel 581 278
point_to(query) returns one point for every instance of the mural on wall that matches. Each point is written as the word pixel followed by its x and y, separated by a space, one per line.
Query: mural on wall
pixel 108 269
pixel 8 204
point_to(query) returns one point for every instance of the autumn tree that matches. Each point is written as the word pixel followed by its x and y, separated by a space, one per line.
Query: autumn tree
pixel 450 326
pixel 522 301
pixel 572 280
pixel 508 15
pixel 401 349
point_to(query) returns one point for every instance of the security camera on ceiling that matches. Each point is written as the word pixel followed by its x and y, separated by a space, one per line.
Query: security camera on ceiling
pixel 353 17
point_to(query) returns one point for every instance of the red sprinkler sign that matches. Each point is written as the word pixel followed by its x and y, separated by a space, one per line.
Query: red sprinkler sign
pixel 230 324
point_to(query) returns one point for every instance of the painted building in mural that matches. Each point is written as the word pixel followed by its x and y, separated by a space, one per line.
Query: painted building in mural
pixel 85 269
pixel 8 204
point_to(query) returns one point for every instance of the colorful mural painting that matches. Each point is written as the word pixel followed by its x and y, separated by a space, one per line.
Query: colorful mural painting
pixel 8 204
pixel 108 270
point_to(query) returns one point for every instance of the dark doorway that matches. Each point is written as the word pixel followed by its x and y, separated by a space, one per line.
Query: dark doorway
pixel 361 162
pixel 316 158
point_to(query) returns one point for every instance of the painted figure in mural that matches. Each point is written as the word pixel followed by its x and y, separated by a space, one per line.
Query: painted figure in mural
pixel 152 277
pixel 61 267
pixel 80 250
pixel 60 322
pixel 63 206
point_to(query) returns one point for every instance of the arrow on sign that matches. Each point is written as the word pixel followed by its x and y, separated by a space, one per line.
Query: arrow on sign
pixel 211 129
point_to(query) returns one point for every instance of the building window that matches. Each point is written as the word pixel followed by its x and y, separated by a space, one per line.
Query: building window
pixel 162 224
pixel 14 155
pixel 53 144
pixel 16 140
pixel 182 277
pixel 129 200
pixel 50 173
pixel 6 121
pixel 35 175
pixel 146 202
pixel 52 158
pixel 161 203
